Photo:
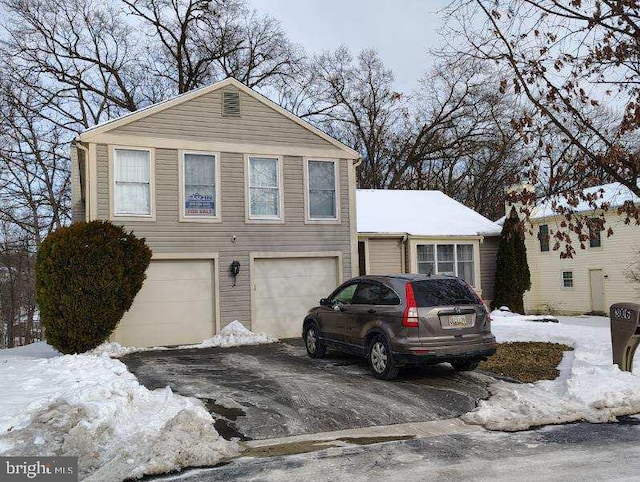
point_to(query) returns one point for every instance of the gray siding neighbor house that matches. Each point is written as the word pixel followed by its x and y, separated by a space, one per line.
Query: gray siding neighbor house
pixel 426 232
pixel 219 179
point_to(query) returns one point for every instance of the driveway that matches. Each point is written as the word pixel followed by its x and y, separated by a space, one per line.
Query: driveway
pixel 275 390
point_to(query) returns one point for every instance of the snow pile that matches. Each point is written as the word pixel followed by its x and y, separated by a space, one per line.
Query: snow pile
pixel 234 334
pixel 590 387
pixel 93 408
pixel 503 311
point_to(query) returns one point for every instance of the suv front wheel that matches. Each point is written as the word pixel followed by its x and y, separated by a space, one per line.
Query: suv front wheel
pixel 380 359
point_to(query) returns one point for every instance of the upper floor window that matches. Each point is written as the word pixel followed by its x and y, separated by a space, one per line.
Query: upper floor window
pixel 322 192
pixel 132 182
pixel 543 237
pixel 595 241
pixel 264 188
pixel 451 259
pixel 200 185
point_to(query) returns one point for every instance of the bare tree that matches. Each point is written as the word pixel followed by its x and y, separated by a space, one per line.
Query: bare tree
pixel 576 64
pixel 453 134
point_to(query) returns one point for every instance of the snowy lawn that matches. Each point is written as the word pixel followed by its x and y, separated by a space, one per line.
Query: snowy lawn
pixel 590 387
pixel 92 407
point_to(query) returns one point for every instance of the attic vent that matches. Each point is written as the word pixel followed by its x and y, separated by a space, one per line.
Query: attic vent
pixel 231 104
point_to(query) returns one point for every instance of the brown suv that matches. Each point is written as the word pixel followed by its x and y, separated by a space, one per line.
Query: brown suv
pixel 404 319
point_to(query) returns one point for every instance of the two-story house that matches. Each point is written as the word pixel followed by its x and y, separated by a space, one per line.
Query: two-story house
pixel 249 211
pixel 597 276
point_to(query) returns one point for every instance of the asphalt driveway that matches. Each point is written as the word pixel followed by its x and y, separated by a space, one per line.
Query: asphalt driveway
pixel 275 390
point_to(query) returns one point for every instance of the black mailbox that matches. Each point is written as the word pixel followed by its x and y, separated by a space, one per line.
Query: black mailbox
pixel 625 333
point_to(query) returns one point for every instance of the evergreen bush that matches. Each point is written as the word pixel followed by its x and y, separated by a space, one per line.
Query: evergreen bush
pixel 512 270
pixel 87 276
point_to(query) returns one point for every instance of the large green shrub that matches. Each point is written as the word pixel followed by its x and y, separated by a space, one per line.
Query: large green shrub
pixel 87 276
pixel 512 270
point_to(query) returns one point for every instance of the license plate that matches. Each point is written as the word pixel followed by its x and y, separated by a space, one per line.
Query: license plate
pixel 457 321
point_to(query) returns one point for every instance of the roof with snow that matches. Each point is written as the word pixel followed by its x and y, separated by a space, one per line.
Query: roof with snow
pixel 419 213
pixel 615 194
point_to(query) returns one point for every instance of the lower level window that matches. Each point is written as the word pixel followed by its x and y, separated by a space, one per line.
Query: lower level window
pixel 567 279
pixel 450 259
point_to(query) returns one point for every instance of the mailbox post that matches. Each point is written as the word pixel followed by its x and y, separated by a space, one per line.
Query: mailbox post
pixel 625 333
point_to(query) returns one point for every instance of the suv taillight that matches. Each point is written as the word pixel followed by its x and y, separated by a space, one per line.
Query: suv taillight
pixel 486 307
pixel 410 318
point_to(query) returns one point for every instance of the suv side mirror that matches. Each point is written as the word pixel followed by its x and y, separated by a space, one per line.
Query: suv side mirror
pixel 324 302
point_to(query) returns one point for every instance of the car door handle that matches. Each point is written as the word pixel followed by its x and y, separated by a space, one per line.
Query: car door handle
pixel 371 311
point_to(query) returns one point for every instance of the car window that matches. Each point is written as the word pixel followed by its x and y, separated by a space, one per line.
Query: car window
pixel 388 296
pixel 367 294
pixel 375 294
pixel 443 292
pixel 345 295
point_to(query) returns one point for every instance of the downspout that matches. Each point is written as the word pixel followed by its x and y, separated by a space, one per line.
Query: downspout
pixel 83 182
pixel 405 238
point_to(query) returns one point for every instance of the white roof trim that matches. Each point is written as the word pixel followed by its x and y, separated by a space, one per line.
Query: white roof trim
pixel 92 132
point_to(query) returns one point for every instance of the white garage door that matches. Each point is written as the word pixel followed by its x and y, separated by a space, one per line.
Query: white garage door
pixel 284 289
pixel 174 306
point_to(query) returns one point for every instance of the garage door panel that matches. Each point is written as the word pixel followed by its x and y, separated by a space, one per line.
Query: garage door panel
pixel 175 306
pixel 286 288
pixel 189 269
pixel 175 290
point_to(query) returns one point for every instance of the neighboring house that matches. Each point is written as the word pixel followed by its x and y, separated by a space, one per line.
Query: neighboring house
pixel 221 179
pixel 595 277
pixel 425 232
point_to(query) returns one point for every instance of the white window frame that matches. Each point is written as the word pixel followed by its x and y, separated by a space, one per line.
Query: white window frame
pixel 455 257
pixel 181 188
pixel 307 197
pixel 252 218
pixel 152 185
pixel 562 279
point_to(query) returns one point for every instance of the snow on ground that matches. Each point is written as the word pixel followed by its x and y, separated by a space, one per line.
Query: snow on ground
pixel 234 334
pixel 92 407
pixel 590 387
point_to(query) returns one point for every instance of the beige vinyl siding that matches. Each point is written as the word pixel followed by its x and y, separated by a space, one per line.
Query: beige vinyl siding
pixel 201 120
pixel 167 235
pixel 78 212
pixel 385 255
pixel 614 258
pixel 488 252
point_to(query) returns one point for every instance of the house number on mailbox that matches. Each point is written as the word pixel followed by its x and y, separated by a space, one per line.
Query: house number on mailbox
pixel 622 313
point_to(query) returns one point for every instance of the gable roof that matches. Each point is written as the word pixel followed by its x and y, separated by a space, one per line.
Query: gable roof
pixel 419 213
pixel 615 193
pixel 111 124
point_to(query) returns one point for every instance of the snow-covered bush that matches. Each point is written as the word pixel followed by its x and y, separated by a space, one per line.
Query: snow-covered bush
pixel 87 276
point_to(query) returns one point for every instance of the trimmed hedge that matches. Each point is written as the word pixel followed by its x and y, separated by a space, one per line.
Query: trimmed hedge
pixel 87 276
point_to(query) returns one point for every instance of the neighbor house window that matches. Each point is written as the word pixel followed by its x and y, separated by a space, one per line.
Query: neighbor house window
pixel 321 184
pixel 595 241
pixel 264 187
pixel 567 279
pixel 543 237
pixel 199 185
pixel 450 259
pixel 132 182
pixel 426 259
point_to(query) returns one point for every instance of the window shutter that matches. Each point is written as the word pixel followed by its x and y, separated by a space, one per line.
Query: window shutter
pixel 231 104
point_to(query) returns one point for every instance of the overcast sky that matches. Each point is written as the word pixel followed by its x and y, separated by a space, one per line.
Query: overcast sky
pixel 400 30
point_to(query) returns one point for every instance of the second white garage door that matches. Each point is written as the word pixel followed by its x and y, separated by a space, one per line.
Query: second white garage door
pixel 174 306
pixel 284 289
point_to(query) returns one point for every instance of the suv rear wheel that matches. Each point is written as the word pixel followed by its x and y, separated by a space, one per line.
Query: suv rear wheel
pixel 380 359
pixel 465 365
pixel 315 348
